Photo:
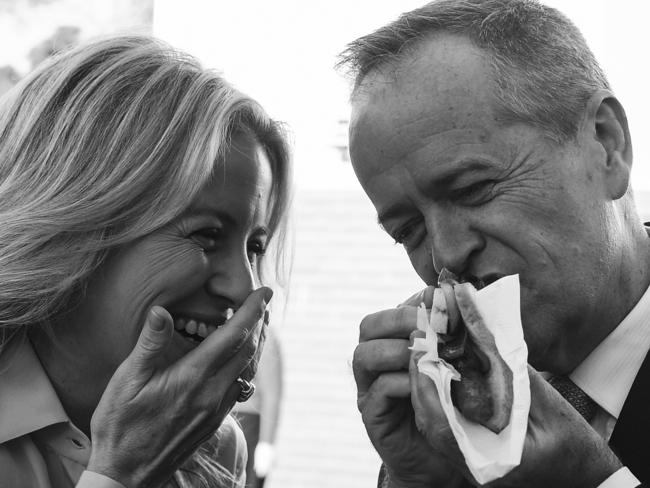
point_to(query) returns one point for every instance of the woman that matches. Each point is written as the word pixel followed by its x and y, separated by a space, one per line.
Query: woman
pixel 138 196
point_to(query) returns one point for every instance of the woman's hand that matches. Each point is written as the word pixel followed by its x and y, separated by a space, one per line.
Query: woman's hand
pixel 153 416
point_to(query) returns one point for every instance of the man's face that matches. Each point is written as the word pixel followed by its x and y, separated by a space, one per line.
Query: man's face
pixel 462 191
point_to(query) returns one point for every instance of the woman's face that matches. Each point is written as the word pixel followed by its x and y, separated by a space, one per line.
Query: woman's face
pixel 198 267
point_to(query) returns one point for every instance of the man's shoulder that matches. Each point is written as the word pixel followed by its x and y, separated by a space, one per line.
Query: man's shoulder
pixel 630 437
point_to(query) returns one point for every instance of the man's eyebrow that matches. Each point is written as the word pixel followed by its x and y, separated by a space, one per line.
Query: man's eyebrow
pixel 457 169
pixel 391 212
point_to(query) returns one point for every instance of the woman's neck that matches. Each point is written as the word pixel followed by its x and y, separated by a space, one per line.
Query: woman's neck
pixel 71 373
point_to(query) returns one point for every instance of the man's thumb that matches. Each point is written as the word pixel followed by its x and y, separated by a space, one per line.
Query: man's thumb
pixel 154 337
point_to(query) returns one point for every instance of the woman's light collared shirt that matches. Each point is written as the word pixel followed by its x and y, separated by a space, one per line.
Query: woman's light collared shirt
pixel 39 445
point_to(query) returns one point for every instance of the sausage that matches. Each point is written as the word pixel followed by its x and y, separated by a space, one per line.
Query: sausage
pixel 484 393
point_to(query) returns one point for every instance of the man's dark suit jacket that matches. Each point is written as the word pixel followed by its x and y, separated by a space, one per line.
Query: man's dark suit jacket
pixel 630 437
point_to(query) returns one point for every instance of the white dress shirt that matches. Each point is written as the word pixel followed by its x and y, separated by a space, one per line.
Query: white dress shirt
pixel 607 374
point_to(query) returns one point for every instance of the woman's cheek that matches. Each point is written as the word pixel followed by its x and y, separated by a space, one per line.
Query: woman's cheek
pixel 178 272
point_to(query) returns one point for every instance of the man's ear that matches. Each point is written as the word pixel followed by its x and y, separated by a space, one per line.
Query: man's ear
pixel 608 122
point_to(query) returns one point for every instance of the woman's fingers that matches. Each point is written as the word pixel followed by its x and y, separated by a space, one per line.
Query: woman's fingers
pixel 153 340
pixel 228 340
pixel 244 364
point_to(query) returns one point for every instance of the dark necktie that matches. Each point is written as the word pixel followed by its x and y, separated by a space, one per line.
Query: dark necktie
pixel 575 396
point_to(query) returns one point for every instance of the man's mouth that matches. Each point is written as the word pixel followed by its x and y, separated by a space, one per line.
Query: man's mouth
pixel 477 282
pixel 484 281
pixel 195 330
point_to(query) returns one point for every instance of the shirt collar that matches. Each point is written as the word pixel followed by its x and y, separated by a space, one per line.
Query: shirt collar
pixel 28 401
pixel 607 373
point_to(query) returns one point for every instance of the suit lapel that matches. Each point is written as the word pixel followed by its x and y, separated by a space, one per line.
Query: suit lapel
pixel 630 437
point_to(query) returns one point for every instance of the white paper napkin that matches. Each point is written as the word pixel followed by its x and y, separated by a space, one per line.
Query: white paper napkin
pixel 488 455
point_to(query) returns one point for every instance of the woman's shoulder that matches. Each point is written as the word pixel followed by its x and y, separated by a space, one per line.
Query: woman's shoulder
pixel 21 465
pixel 231 452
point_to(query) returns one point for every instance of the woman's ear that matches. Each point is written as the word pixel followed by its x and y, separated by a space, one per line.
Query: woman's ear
pixel 607 118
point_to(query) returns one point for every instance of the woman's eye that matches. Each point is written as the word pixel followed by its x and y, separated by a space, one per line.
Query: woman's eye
pixel 255 249
pixel 208 238
pixel 411 234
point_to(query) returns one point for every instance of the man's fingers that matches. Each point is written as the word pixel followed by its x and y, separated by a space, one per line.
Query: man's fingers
pixel 379 400
pixel 376 357
pixel 429 415
pixel 544 398
pixel 154 337
pixel 466 299
pixel 424 394
pixel 430 418
pixel 229 339
pixel 395 323
pixel 423 296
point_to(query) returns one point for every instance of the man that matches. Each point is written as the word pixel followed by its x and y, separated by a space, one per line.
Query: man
pixel 490 143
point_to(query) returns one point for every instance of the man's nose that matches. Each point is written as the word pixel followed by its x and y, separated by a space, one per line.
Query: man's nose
pixel 454 241
pixel 232 278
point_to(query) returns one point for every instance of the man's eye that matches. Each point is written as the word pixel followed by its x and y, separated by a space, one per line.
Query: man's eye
pixel 474 194
pixel 411 234
pixel 208 238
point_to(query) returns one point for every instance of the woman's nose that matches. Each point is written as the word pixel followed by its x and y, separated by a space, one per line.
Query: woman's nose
pixel 233 279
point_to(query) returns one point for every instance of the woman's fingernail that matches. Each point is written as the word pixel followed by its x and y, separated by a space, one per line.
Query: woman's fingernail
pixel 268 294
pixel 156 319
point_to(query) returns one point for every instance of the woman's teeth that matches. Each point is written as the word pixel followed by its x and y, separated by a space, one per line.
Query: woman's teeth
pixel 191 327
pixel 195 329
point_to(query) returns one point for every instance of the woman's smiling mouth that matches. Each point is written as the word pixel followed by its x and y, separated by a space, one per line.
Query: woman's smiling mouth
pixel 195 329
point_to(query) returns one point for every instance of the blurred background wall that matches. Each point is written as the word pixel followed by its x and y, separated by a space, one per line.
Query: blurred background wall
pixel 282 52
pixel 32 30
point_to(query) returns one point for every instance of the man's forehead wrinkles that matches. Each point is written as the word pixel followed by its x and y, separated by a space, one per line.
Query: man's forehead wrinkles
pixel 444 147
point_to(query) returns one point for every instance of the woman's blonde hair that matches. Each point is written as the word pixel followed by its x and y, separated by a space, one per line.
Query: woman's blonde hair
pixel 100 146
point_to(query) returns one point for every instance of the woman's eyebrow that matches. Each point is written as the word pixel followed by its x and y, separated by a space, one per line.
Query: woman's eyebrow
pixel 207 211
pixel 225 217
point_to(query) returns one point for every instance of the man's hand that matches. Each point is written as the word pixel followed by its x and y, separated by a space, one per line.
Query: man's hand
pixel 153 416
pixel 560 449
pixel 380 364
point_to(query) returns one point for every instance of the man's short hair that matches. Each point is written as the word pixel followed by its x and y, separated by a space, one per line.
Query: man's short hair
pixel 544 72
